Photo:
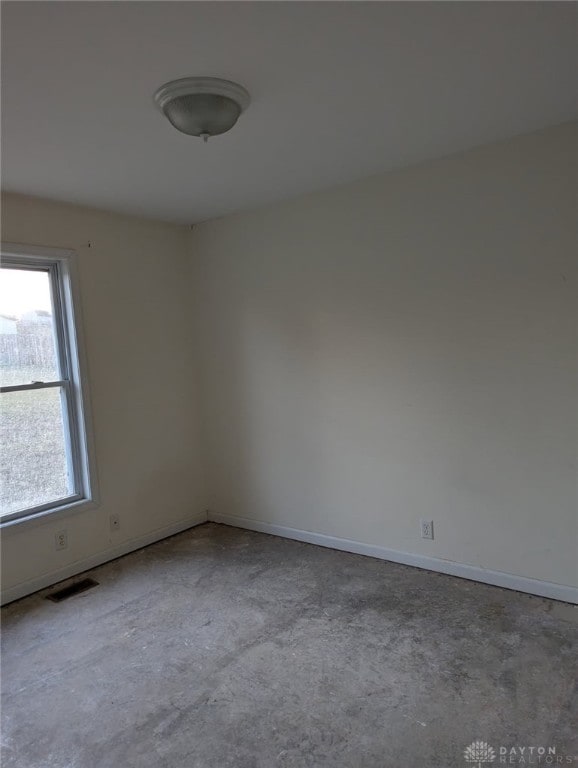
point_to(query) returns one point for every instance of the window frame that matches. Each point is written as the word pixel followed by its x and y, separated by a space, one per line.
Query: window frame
pixel 62 273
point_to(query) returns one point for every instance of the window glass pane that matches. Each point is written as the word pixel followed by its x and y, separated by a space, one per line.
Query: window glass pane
pixel 27 339
pixel 33 465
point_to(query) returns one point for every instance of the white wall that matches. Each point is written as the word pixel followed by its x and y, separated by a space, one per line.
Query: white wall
pixel 399 348
pixel 137 328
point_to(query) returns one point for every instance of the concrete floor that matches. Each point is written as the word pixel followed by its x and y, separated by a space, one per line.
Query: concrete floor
pixel 220 647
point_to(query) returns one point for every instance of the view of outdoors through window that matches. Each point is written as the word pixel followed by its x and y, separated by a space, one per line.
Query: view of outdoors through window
pixel 33 456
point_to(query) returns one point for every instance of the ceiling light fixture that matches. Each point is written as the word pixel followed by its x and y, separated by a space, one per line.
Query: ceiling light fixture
pixel 202 106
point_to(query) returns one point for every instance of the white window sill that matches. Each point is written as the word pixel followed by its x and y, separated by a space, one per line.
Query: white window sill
pixel 48 515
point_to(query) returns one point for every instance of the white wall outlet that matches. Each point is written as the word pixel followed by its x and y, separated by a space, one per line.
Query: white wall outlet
pixel 115 522
pixel 61 540
pixel 427 529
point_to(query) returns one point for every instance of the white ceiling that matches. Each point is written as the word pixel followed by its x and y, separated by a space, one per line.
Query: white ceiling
pixel 340 91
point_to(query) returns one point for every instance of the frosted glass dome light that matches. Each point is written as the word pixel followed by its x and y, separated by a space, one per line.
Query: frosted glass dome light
pixel 202 106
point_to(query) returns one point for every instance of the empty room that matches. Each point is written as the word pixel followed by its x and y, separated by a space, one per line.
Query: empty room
pixel 289 384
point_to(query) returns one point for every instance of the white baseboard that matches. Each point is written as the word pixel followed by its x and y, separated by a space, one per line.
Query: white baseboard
pixel 496 578
pixel 79 566
pixel 474 573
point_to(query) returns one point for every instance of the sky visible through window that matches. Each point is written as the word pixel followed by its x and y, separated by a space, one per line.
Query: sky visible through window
pixel 23 291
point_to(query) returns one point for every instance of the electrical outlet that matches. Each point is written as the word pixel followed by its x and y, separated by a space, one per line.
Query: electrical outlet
pixel 61 540
pixel 427 529
pixel 115 522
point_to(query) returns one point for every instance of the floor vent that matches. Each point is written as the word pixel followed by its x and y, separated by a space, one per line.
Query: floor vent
pixel 71 590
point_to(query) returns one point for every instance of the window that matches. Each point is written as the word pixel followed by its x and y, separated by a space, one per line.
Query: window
pixel 44 463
